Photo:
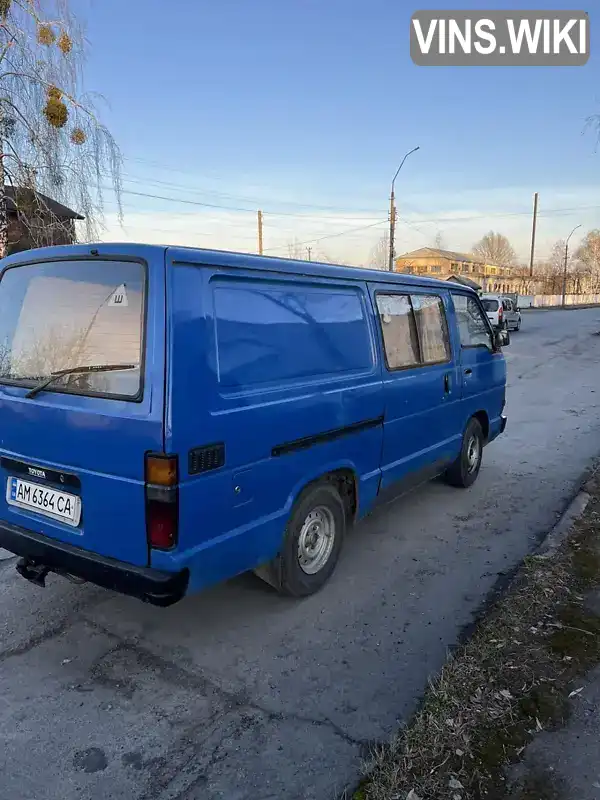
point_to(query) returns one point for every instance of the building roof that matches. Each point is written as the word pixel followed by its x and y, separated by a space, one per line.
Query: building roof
pixel 54 207
pixel 432 252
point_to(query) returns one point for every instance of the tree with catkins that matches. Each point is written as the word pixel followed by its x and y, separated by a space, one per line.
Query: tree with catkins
pixel 51 139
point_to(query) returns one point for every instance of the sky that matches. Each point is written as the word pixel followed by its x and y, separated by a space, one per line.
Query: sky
pixel 305 108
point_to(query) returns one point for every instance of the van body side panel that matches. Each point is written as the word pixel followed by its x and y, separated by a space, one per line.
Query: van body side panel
pixel 97 442
pixel 282 373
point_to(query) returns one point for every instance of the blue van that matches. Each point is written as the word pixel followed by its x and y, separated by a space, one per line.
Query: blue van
pixel 170 417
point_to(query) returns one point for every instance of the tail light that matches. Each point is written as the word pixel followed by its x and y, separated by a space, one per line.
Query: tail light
pixel 162 501
pixel 500 312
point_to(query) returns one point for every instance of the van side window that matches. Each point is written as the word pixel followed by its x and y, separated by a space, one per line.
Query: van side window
pixel 472 325
pixel 415 331
pixel 432 328
pixel 267 332
pixel 399 331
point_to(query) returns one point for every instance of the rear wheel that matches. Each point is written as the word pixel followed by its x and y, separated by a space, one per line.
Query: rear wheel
pixel 463 473
pixel 312 543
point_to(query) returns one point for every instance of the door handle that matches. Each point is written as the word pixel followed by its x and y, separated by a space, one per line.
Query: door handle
pixel 468 371
pixel 447 383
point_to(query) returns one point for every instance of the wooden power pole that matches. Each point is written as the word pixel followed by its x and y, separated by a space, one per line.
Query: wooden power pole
pixel 260 233
pixel 535 211
pixel 392 230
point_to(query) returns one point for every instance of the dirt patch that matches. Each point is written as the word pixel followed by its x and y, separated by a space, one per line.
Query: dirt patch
pixel 511 680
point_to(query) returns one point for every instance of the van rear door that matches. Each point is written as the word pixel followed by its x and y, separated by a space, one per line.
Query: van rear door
pixel 72 453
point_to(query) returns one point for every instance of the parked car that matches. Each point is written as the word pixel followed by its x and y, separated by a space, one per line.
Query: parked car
pixel 512 314
pixel 501 312
pixel 174 417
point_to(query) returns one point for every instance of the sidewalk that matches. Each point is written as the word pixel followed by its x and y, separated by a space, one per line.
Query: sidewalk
pixel 515 713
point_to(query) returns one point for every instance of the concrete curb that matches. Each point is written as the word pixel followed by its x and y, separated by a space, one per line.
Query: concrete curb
pixel 5 555
pixel 561 530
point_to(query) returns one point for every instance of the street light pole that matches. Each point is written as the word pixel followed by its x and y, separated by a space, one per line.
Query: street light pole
pixel 564 291
pixel 393 211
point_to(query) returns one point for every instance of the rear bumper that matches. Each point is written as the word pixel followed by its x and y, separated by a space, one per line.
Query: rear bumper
pixel 149 585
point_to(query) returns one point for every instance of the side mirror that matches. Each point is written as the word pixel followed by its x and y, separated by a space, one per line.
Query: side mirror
pixel 502 339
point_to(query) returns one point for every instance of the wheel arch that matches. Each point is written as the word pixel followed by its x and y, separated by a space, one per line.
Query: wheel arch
pixel 482 417
pixel 343 477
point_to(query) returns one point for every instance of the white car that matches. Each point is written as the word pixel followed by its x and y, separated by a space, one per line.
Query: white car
pixel 501 312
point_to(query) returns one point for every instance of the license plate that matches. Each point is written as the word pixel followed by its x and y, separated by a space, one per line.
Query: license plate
pixel 34 497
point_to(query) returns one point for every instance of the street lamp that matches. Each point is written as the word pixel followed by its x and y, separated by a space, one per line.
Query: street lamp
pixel 564 291
pixel 393 211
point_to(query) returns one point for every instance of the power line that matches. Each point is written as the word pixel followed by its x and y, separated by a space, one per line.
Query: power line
pixel 328 236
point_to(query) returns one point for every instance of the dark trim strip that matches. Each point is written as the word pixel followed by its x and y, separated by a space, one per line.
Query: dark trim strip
pixel 327 436
pixel 35 473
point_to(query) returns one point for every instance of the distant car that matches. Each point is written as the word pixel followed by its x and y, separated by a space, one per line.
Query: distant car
pixel 512 314
pixel 501 312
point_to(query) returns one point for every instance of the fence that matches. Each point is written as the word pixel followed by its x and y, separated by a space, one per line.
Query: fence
pixel 554 300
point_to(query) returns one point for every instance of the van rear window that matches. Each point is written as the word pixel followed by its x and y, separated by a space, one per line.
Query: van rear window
pixel 65 314
pixel 489 304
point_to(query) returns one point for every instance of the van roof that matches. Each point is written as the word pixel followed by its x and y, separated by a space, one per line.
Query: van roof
pixel 248 261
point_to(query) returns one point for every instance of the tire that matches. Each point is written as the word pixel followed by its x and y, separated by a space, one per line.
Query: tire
pixel 463 473
pixel 308 556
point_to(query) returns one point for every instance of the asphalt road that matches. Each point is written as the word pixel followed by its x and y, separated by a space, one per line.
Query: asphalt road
pixel 237 694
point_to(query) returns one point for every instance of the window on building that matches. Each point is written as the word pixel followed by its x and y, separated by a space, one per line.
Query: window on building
pixel 435 268
pixel 415 331
pixel 472 323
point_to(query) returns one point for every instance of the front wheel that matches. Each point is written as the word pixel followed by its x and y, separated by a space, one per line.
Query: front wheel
pixel 312 544
pixel 464 471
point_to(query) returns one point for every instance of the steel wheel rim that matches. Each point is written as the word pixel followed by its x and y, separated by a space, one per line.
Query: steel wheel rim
pixel 473 453
pixel 316 540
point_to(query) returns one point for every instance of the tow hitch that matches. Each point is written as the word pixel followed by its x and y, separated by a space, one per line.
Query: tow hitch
pixel 32 571
pixel 36 573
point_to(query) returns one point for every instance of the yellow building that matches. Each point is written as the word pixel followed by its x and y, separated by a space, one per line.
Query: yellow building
pixel 444 263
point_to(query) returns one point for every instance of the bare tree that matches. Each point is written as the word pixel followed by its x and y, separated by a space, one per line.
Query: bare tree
pixel 494 248
pixel 296 250
pixel 587 268
pixel 551 272
pixel 380 253
pixel 51 139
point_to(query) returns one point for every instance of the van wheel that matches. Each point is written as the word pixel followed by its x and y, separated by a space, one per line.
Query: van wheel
pixel 312 544
pixel 463 473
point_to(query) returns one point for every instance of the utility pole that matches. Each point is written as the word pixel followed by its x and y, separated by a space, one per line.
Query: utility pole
pixel 393 211
pixel 392 229
pixel 535 208
pixel 564 291
pixel 308 252
pixel 260 233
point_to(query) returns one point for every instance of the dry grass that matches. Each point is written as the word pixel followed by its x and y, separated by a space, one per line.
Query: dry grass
pixel 510 680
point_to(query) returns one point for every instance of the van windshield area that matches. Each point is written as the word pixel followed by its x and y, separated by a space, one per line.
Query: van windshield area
pixel 489 304
pixel 60 315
